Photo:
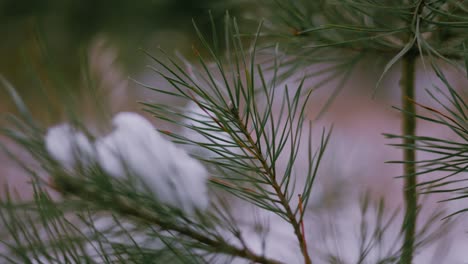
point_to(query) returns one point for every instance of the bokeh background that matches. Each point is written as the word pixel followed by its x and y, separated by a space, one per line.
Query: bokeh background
pixel 78 56
pixel 56 52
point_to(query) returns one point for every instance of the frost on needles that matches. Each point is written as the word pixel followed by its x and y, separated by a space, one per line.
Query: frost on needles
pixel 135 149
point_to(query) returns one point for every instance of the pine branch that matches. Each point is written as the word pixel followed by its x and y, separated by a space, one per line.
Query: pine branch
pixel 130 209
pixel 234 128
pixel 277 188
pixel 450 155
pixel 233 115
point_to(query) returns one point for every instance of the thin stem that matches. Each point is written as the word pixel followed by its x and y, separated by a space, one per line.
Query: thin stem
pixel 409 130
pixel 409 156
pixel 277 188
pixel 301 211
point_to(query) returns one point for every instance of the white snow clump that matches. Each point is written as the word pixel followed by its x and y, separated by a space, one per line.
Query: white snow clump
pixel 135 148
pixel 69 147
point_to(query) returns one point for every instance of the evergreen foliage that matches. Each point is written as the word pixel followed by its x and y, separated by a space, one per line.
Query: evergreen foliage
pixel 240 123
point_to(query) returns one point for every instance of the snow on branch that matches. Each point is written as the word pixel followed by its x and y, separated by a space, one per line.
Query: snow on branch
pixel 135 149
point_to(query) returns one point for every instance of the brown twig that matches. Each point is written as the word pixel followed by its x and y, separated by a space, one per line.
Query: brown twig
pixel 301 211
pixel 70 186
pixel 277 188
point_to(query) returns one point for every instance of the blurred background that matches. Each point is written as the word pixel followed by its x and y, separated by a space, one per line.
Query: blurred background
pixel 79 55
pixel 53 45
pixel 86 51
